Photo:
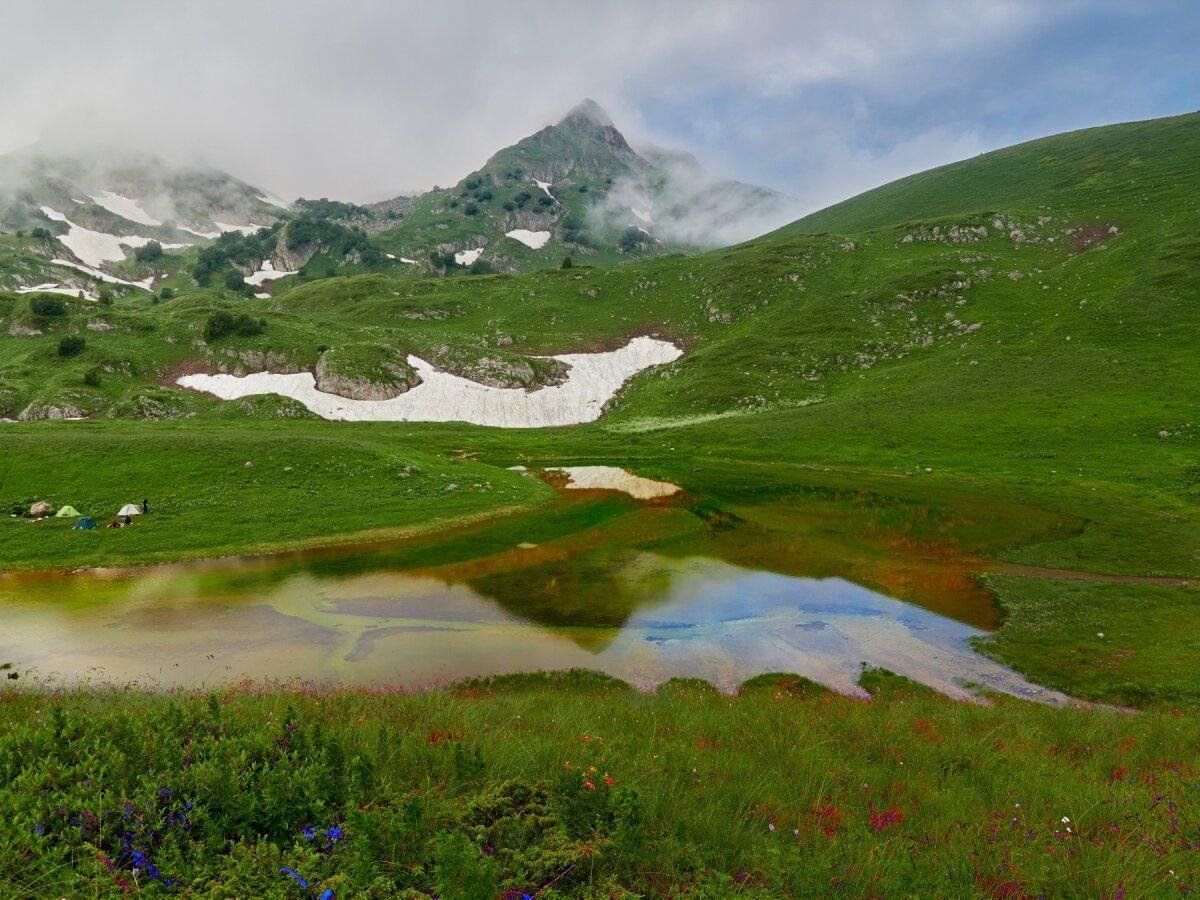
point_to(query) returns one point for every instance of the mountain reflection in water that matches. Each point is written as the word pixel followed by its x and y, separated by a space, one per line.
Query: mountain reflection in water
pixel 640 616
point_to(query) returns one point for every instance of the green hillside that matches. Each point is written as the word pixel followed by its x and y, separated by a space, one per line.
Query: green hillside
pixel 1132 171
pixel 982 376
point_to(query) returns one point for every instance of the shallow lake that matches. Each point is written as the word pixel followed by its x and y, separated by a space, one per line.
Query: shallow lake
pixel 357 617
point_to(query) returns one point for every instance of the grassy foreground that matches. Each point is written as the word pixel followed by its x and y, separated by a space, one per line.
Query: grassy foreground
pixel 573 785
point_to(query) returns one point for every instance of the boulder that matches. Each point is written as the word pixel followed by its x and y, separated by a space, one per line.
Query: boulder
pixel 35 412
pixel 40 509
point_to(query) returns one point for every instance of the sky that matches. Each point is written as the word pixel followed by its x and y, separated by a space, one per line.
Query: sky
pixel 364 99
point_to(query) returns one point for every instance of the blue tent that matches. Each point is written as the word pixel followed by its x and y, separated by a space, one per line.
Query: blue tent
pixel 87 523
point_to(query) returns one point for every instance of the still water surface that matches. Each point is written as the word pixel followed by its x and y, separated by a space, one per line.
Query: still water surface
pixel 350 619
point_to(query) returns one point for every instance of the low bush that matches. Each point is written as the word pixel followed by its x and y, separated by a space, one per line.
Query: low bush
pixel 222 324
pixel 71 345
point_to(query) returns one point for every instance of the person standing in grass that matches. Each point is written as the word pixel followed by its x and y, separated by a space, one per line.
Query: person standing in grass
pixel 145 506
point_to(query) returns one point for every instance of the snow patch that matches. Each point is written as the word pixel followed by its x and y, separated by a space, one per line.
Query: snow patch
pixel 104 276
pixel 612 478
pixel 207 235
pixel 266 273
pixel 534 240
pixel 545 186
pixel 93 247
pixel 262 296
pixel 273 201
pixel 593 379
pixel 467 257
pixel 125 208
pixel 53 288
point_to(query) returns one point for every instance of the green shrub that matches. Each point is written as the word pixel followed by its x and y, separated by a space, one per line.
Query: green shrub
pixel 149 253
pixel 92 377
pixel 222 324
pixel 566 263
pixel 71 345
pixel 47 305
pixel 41 234
pixel 105 297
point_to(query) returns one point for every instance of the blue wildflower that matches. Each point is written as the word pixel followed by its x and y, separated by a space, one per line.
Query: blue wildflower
pixel 309 832
pixel 295 876
pixel 335 834
pixel 140 859
pixel 164 794
pixel 152 871
pixel 327 894
pixel 39 828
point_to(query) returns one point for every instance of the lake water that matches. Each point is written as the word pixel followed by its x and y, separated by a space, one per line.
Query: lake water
pixel 349 618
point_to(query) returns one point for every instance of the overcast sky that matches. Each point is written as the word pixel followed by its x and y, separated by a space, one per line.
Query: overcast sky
pixel 362 99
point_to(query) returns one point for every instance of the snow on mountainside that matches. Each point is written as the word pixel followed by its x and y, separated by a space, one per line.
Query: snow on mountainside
pixel 99 210
pixel 577 188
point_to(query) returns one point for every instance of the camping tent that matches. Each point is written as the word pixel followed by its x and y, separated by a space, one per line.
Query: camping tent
pixel 87 523
pixel 67 512
pixel 130 509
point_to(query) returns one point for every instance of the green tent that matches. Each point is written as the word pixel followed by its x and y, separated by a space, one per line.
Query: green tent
pixel 87 523
pixel 67 512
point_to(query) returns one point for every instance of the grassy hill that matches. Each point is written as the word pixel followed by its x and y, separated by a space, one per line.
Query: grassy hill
pixel 992 362
pixel 1131 171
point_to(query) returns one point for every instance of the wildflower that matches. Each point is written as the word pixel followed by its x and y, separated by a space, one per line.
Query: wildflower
pixel 1066 820
pixel 770 826
pixel 39 828
pixel 589 785
pixel 335 834
pixel 882 819
pixel 309 832
pixel 140 859
pixel 295 876
pixel 327 894
pixel 609 781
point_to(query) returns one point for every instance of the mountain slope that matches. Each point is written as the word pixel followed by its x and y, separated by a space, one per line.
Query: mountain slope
pixel 1114 169
pixel 94 213
pixel 1042 373
pixel 576 187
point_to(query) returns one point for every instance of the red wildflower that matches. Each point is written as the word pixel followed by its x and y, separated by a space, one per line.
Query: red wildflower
pixel 589 785
pixel 829 819
pixel 609 780
pixel 886 818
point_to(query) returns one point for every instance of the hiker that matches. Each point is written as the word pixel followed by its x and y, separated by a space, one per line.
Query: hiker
pixel 114 524
pixel 145 505
pixel 128 520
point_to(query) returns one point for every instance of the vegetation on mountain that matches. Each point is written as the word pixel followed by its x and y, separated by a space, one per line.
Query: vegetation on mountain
pixel 993 362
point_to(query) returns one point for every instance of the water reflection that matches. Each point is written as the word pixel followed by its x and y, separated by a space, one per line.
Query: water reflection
pixel 641 616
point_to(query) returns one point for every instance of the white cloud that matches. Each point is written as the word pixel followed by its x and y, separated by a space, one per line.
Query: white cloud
pixel 362 100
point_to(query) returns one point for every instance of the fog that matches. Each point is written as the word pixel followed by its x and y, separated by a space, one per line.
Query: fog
pixel 364 100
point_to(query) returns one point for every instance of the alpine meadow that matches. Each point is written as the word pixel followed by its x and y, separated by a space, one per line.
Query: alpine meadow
pixel 601 525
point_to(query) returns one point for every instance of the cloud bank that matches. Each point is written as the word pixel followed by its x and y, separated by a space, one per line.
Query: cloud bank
pixel 363 100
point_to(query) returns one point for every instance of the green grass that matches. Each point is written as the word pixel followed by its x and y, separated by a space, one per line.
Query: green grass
pixel 783 791
pixel 206 501
pixel 836 405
